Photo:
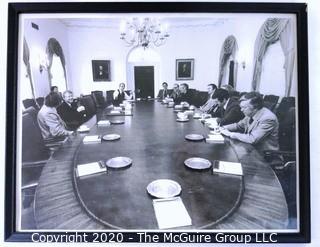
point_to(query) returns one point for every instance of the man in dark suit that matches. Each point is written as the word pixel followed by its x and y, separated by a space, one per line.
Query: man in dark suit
pixel 164 92
pixel 185 94
pixel 259 127
pixel 70 112
pixel 228 111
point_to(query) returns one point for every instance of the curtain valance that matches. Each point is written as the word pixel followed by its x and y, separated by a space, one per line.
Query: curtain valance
pixel 228 50
pixel 53 47
pixel 273 30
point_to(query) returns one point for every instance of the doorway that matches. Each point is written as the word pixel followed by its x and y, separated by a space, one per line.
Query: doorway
pixel 144 81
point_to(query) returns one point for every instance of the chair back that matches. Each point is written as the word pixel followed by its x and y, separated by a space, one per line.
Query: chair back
pixel 200 97
pixel 284 106
pixel 98 98
pixel 88 102
pixel 287 130
pixel 109 97
pixel 33 113
pixel 234 94
pixel 40 101
pixel 29 102
pixel 270 101
pixel 33 146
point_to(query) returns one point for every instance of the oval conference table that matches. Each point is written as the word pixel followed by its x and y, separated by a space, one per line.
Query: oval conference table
pixel 156 143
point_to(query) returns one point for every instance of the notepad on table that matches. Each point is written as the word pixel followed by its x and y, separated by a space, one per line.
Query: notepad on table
pixel 115 112
pixel 90 168
pixel 233 168
pixel 83 128
pixel 92 139
pixel 103 123
pixel 216 138
pixel 171 213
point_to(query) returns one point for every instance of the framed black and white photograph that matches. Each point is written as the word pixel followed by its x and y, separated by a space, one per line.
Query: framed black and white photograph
pixel 101 70
pixel 224 155
pixel 184 69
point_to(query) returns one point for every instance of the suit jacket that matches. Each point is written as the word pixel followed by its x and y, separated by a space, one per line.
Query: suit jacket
pixel 262 132
pixel 162 94
pixel 70 115
pixel 208 107
pixel 185 97
pixel 50 123
pixel 232 113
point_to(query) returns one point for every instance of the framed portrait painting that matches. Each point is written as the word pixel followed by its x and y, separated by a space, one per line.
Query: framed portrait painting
pixel 101 70
pixel 184 69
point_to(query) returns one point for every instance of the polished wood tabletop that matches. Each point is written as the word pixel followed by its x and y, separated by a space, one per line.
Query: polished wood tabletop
pixel 155 142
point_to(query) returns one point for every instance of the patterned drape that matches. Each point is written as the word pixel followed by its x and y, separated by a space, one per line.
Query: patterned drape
pixel 228 50
pixel 53 47
pixel 26 58
pixel 273 30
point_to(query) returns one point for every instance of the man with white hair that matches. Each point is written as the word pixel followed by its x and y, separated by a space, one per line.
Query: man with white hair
pixel 71 112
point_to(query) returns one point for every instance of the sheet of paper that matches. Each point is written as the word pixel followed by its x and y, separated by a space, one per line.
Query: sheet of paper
pixel 171 213
pixel 92 139
pixel 115 112
pixel 90 168
pixel 211 121
pixel 216 137
pixel 104 122
pixel 83 128
pixel 229 168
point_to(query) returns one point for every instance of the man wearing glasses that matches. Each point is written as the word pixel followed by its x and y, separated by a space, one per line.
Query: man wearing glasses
pixel 259 127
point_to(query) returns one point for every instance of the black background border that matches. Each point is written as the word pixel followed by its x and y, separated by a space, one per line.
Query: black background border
pixel 299 9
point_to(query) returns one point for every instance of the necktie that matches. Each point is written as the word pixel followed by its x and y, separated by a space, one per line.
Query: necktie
pixel 250 120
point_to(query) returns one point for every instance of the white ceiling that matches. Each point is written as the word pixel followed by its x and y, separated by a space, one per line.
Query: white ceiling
pixel 115 21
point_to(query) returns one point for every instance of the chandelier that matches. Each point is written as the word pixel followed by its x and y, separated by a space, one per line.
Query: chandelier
pixel 143 32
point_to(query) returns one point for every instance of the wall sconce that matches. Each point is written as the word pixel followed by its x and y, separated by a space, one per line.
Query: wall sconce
pixel 43 62
pixel 243 64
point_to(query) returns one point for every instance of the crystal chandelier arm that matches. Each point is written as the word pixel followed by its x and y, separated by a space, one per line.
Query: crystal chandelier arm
pixel 144 32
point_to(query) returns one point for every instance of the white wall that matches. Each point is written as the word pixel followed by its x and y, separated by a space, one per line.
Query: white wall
pixel 201 42
pixel 88 44
pixel 37 41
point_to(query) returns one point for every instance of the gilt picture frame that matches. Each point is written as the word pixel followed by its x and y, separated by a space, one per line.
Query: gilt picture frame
pixel 101 70
pixel 184 69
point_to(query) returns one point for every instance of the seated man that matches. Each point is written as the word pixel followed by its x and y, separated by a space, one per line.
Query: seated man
pixel 120 95
pixel 165 92
pixel 54 89
pixel 228 111
pixel 210 103
pixel 259 127
pixel 185 94
pixel 175 91
pixel 50 123
pixel 72 114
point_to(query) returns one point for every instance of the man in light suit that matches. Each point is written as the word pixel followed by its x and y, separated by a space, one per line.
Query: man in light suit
pixel 210 103
pixel 259 127
pixel 50 123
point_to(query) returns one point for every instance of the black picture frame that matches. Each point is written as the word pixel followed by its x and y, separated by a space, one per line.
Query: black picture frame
pixel 101 70
pixel 185 69
pixel 299 9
